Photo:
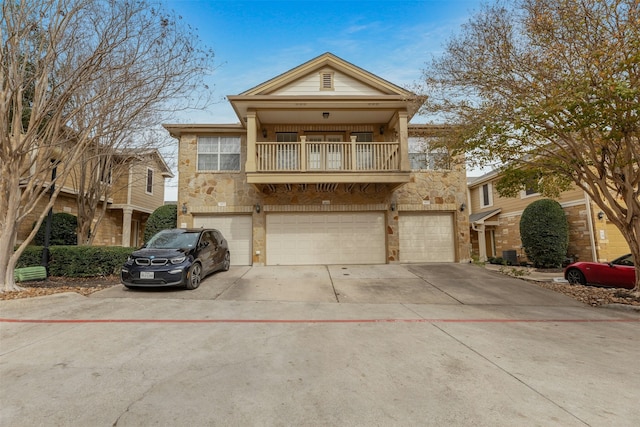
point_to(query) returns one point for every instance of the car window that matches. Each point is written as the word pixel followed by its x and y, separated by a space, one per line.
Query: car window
pixel 208 238
pixel 626 260
pixel 172 240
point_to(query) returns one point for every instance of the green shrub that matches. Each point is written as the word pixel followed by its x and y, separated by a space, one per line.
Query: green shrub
pixel 163 218
pixel 31 257
pixel 544 231
pixel 64 228
pixel 78 261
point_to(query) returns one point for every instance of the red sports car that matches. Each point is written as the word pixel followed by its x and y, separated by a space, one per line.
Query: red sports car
pixel 619 273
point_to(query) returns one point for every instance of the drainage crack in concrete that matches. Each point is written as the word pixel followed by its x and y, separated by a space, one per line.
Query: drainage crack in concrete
pixel 335 293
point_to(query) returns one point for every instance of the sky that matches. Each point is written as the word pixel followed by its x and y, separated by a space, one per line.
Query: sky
pixel 254 41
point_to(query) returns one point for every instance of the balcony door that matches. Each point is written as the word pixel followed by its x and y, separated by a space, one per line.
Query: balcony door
pixel 325 152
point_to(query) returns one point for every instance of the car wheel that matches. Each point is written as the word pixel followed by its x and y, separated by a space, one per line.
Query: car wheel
pixel 194 277
pixel 575 277
pixel 227 262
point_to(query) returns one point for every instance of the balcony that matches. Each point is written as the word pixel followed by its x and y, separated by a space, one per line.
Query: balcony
pixel 327 162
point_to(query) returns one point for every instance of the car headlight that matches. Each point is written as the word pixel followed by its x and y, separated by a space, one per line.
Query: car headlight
pixel 178 260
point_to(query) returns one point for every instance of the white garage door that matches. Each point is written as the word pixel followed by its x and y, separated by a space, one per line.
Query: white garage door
pixel 237 229
pixel 325 238
pixel 426 237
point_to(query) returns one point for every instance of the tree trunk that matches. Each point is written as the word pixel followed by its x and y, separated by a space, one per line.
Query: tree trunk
pixel 8 259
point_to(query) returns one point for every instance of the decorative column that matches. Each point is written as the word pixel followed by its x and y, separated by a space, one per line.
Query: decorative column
pixel 482 242
pixel 252 128
pixel 303 153
pixel 126 226
pixel 403 136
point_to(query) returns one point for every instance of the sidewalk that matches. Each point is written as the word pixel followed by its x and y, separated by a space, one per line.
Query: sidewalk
pixel 527 273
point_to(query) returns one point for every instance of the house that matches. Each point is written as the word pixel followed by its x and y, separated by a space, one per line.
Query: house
pixel 495 223
pixel 319 171
pixel 136 193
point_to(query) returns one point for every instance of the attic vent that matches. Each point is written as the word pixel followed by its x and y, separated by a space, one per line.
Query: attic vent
pixel 326 81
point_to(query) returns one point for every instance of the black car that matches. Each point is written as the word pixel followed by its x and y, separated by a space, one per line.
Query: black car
pixel 177 257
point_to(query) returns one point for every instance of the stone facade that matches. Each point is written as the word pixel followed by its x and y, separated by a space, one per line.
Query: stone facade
pixel 206 193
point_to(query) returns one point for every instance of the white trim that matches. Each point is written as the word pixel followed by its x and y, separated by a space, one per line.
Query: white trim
pixel 490 192
pixel 563 205
pixel 524 195
pixel 146 181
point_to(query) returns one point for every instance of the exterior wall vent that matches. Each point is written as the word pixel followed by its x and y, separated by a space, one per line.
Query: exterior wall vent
pixel 326 81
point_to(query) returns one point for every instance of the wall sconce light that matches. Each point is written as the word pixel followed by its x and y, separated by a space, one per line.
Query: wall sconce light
pixel 393 206
pixel 264 132
pixel 257 207
pixel 381 130
pixel 184 208
pixel 600 215
pixel 325 115
pixel 463 207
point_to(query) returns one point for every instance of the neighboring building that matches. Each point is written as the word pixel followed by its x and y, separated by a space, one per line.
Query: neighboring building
pixel 136 194
pixel 495 223
pixel 318 171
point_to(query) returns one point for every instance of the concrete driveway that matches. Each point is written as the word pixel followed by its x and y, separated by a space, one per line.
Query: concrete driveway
pixel 400 345
pixel 363 284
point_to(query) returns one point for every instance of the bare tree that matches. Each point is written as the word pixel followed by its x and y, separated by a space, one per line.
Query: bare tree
pixel 551 88
pixel 76 73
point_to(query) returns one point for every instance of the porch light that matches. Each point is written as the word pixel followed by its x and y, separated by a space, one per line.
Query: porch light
pixel 257 207
pixel 184 208
pixel 463 207
pixel 600 215
pixel 381 130
pixel 264 132
pixel 393 206
pixel 325 114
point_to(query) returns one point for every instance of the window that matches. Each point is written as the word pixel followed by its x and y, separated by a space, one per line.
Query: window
pixel 486 196
pixel 429 161
pixel 149 181
pixel 105 170
pixel 287 151
pixel 423 156
pixel 363 136
pixel 326 81
pixel 219 153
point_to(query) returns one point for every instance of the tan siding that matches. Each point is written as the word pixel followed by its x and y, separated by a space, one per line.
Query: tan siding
pixel 139 197
pixel 343 85
pixel 120 188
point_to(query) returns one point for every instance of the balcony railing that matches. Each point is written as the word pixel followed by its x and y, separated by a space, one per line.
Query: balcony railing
pixel 307 156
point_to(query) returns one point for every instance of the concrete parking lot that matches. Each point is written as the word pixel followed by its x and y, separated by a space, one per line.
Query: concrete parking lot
pixel 432 344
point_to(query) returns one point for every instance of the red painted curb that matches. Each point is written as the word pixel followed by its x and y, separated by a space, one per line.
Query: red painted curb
pixel 4 320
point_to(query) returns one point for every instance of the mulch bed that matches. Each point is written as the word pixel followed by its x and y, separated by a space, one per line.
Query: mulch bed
pixel 55 285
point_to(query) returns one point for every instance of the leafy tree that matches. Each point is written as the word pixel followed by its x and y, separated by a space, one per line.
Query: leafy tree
pixel 544 231
pixel 76 74
pixel 551 90
pixel 163 218
pixel 63 230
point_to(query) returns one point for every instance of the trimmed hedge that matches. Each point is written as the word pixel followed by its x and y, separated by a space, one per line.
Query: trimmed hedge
pixel 64 230
pixel 544 231
pixel 78 261
pixel 163 218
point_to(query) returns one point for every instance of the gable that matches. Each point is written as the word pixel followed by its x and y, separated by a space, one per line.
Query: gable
pixel 307 79
pixel 328 81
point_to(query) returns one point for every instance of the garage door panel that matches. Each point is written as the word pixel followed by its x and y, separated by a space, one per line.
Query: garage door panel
pixel 426 237
pixel 237 229
pixel 325 238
